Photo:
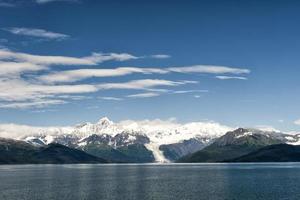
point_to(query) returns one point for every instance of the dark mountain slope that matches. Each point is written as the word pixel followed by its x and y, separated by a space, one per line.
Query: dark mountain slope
pixel 272 153
pixel 232 145
pixel 19 152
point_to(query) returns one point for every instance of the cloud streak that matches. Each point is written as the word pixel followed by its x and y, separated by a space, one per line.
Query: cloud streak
pixel 80 74
pixel 111 98
pixel 189 91
pixel 7 4
pixel 231 77
pixel 34 32
pixel 142 84
pixel 16 68
pixel 160 56
pixel 297 122
pixel 76 75
pixel 144 95
pixel 37 104
pixel 20 90
pixel 209 69
pixel 26 80
pixel 50 1
pixel 17 93
pixel 94 59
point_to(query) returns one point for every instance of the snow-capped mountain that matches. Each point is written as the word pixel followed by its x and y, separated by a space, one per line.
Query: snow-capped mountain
pixel 237 143
pixel 166 140
pixel 134 141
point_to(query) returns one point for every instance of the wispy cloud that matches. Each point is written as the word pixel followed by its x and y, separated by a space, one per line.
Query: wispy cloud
pixel 15 68
pixel 75 75
pixel 188 91
pixel 231 77
pixel 50 1
pixel 7 4
pixel 267 128
pixel 94 59
pixel 210 69
pixel 144 95
pixel 22 87
pixel 17 93
pixel 280 121
pixel 34 32
pixel 111 98
pixel 297 122
pixel 160 56
pixel 101 57
pixel 74 97
pixel 20 90
pixel 142 84
pixel 37 104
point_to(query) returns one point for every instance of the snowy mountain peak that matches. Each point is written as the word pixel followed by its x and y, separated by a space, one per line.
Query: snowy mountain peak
pixel 105 122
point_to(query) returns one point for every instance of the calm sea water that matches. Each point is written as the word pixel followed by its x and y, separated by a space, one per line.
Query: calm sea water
pixel 138 182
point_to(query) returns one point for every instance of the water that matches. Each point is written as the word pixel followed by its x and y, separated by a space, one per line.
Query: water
pixel 137 182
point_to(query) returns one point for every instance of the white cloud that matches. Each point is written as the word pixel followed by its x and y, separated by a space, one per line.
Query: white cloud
pixel 73 97
pixel 188 91
pixel 210 69
pixel 18 83
pixel 197 96
pixel 49 1
pixel 111 98
pixel 39 62
pixel 37 104
pixel 231 77
pixel 142 84
pixel 75 75
pixel 267 128
pixel 101 57
pixel 16 68
pixel 7 4
pixel 14 92
pixel 160 56
pixel 297 122
pixel 94 59
pixel 18 131
pixel 144 95
pixel 20 90
pixel 34 32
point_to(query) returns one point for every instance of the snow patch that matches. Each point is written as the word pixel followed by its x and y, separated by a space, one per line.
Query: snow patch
pixel 244 135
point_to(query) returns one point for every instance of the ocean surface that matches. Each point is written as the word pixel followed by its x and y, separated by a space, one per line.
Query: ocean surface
pixel 151 181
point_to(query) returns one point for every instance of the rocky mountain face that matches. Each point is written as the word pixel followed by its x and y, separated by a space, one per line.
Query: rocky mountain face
pixel 238 143
pixel 175 151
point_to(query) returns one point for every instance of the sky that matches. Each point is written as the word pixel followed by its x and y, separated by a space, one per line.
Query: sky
pixel 68 61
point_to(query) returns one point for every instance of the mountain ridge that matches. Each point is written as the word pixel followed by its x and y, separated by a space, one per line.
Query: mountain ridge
pixel 236 144
pixel 146 140
pixel 272 153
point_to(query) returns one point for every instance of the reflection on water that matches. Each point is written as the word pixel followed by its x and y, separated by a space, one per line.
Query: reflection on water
pixel 182 181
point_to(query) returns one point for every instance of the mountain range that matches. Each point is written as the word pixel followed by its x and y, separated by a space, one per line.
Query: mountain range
pixel 154 141
pixel 131 141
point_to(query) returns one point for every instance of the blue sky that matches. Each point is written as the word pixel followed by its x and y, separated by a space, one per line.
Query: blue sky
pixel 233 62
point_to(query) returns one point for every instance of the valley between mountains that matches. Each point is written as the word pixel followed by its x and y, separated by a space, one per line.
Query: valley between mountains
pixel 145 142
